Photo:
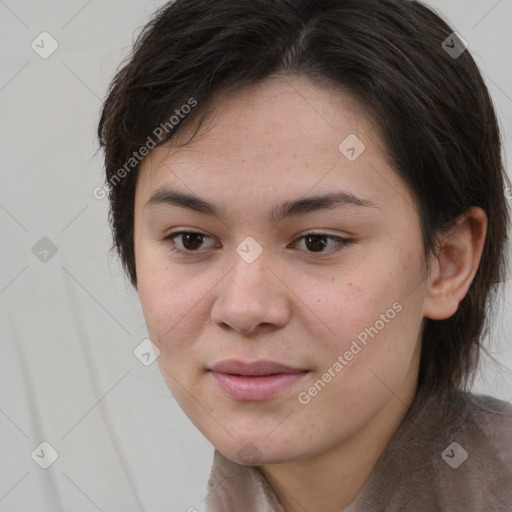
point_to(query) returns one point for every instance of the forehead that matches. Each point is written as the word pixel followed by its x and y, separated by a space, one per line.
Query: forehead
pixel 285 135
pixel 277 110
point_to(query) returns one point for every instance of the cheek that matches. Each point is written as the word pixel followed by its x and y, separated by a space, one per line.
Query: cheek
pixel 347 304
pixel 169 308
pixel 369 317
pixel 166 296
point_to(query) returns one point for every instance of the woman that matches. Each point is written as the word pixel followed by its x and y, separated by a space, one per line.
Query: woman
pixel 310 200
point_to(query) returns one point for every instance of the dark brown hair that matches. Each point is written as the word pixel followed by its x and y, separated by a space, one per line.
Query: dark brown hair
pixel 432 107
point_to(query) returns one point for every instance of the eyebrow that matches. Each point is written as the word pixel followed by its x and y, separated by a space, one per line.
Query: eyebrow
pixel 167 197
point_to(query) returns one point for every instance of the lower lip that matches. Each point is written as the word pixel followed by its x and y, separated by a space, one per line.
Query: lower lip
pixel 248 388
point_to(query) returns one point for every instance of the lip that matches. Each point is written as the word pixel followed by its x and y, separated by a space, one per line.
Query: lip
pixel 256 368
pixel 254 381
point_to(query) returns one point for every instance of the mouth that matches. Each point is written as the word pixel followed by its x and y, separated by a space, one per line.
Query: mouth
pixel 243 381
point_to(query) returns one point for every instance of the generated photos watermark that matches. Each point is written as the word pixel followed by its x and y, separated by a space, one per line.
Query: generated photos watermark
pixel 304 397
pixel 143 151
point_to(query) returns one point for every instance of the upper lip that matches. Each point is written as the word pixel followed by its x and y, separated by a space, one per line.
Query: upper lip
pixel 237 367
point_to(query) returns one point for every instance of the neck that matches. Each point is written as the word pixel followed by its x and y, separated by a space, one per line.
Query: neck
pixel 332 480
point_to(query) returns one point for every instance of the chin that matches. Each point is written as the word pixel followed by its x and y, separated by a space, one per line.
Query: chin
pixel 256 452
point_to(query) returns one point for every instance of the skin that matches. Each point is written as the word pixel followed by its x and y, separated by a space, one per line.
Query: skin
pixel 263 145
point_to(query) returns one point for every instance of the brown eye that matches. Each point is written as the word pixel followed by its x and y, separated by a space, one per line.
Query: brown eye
pixel 190 241
pixel 316 243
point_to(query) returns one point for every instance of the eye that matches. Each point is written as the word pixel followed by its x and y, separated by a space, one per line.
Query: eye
pixel 192 241
pixel 316 242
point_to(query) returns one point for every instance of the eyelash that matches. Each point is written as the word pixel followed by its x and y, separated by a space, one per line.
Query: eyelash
pixel 169 242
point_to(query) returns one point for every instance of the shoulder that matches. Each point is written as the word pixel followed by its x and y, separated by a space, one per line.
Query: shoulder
pixel 494 418
pixel 489 424
pixel 474 471
pixel 453 452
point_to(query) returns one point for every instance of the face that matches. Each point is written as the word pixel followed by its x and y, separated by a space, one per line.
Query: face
pixel 285 324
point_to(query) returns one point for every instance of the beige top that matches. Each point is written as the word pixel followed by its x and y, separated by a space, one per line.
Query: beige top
pixel 423 469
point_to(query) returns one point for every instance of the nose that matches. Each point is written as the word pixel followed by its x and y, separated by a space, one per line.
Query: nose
pixel 252 297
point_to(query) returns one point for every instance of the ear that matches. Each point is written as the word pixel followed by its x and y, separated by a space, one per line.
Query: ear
pixel 455 265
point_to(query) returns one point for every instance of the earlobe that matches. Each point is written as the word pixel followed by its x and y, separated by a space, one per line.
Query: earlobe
pixel 455 265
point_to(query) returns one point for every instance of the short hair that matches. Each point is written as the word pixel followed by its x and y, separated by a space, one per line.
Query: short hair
pixel 431 105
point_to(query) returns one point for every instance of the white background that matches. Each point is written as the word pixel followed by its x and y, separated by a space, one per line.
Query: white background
pixel 68 327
